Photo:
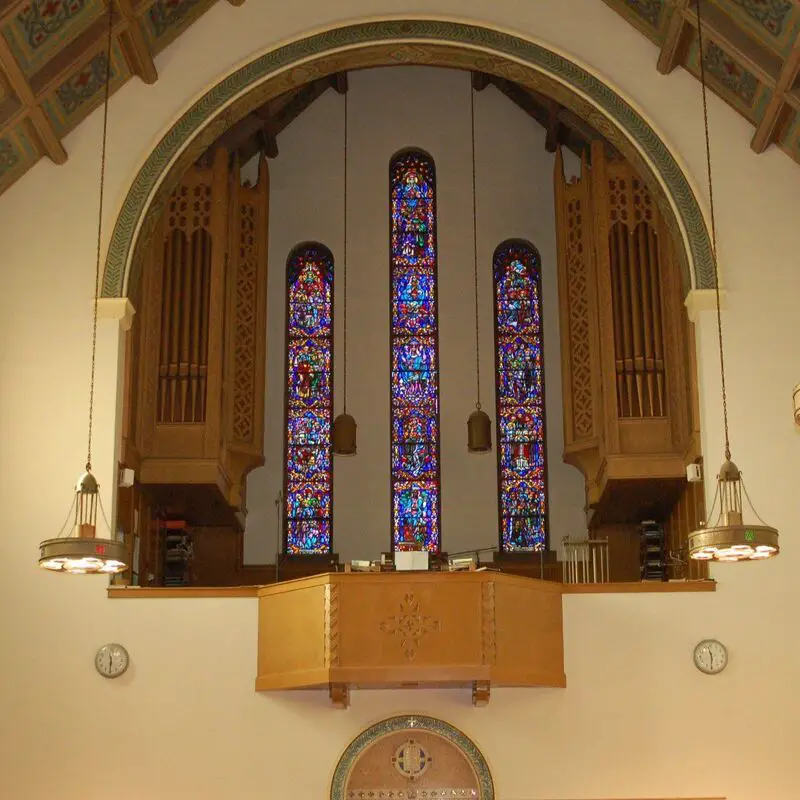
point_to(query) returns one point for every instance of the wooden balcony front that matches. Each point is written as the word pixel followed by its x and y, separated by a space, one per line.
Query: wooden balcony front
pixel 410 629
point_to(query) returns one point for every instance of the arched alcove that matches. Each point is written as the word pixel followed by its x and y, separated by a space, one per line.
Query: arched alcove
pixel 388 42
pixel 412 756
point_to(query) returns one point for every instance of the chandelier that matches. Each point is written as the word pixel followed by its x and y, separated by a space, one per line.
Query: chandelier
pixel 82 552
pixel 728 537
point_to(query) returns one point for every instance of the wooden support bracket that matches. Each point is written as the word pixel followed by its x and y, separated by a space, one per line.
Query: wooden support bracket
pixel 480 693
pixel 340 695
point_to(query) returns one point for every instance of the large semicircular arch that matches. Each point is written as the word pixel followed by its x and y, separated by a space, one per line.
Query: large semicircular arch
pixel 409 41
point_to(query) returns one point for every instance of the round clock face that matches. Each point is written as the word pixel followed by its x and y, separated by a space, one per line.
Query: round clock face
pixel 710 656
pixel 111 660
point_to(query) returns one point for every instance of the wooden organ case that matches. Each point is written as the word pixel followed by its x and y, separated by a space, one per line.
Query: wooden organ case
pixel 194 426
pixel 629 391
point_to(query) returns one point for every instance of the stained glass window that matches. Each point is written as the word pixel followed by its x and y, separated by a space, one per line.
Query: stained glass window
pixel 415 354
pixel 309 356
pixel 522 477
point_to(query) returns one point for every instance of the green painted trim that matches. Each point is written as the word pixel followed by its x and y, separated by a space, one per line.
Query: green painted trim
pixel 491 41
pixel 412 723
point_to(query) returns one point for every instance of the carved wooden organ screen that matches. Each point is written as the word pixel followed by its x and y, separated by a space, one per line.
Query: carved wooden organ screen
pixel 196 383
pixel 628 372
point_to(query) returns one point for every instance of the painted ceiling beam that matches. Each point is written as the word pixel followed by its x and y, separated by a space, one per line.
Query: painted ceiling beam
pixel 43 131
pixel 672 49
pixel 778 109
pixel 133 43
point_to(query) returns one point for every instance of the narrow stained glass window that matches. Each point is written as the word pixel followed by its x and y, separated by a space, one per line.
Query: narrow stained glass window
pixel 415 354
pixel 309 358
pixel 522 483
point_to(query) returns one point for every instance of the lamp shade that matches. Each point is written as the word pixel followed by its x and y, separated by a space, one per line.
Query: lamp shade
pixel 344 435
pixel 82 553
pixel 479 432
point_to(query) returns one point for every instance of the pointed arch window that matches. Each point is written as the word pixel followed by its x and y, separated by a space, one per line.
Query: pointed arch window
pixel 308 474
pixel 415 474
pixel 519 361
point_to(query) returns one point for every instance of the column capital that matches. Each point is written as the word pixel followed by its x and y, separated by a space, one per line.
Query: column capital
pixel 119 308
pixel 701 300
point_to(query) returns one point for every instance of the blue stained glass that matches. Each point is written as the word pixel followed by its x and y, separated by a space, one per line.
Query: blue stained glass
pixel 307 428
pixel 309 372
pixel 309 468
pixel 414 304
pixel 520 397
pixel 414 375
pixel 308 536
pixel 414 338
pixel 415 515
pixel 305 463
pixel 525 458
pixel 413 425
pixel 411 460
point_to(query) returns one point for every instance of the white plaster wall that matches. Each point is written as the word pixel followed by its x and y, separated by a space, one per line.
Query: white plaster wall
pixel 636 720
pixel 389 109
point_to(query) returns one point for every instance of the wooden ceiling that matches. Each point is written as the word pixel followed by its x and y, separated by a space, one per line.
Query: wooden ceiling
pixel 53 66
pixel 53 69
pixel 751 56
pixel 258 131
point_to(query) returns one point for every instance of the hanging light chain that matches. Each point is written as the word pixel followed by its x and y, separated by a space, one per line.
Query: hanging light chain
pixel 475 246
pixel 107 92
pixel 344 248
pixel 713 231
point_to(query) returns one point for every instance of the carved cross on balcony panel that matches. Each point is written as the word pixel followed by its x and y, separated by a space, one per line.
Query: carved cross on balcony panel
pixel 410 626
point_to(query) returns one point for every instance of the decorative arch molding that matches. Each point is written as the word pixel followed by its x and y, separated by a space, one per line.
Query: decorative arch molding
pixel 395 42
pixel 411 724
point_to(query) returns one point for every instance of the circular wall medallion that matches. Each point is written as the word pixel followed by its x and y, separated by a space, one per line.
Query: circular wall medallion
pixel 411 759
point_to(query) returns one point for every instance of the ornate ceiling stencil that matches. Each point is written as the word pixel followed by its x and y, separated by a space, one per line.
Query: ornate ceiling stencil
pixel 165 20
pixel 778 20
pixel 45 44
pixel 41 27
pixel 82 92
pixel 52 63
pixel 751 55
pixel 17 152
pixel 649 10
pixel 412 758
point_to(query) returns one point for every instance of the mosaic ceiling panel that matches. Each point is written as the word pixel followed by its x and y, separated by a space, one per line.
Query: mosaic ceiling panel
pixel 751 54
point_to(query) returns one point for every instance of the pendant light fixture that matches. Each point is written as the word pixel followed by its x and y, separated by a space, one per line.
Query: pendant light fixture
pixel 479 426
pixel 344 426
pixel 727 538
pixel 82 552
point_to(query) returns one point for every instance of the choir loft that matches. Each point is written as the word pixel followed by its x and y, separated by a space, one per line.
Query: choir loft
pixel 243 349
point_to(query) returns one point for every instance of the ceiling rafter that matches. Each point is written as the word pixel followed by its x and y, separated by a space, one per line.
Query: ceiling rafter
pixel 562 126
pixel 42 129
pixel 755 66
pixel 671 54
pixel 136 50
pixel 258 131
pixel 52 66
pixel 779 108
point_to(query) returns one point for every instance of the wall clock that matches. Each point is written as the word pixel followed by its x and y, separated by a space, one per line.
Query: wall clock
pixel 710 656
pixel 111 660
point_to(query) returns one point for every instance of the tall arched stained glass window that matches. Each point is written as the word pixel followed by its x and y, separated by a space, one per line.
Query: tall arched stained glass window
pixel 522 476
pixel 415 354
pixel 309 361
